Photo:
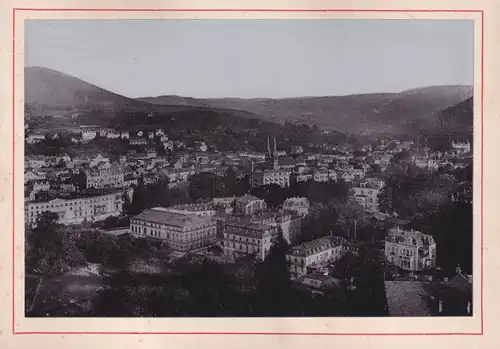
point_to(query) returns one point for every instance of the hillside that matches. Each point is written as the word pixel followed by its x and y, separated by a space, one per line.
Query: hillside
pixel 49 92
pixel 364 113
pixel 458 117
pixel 49 89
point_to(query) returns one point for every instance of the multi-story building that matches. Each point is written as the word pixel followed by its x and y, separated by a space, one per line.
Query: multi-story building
pixel 201 209
pixel 279 177
pixel 182 231
pixel 247 238
pixel 366 194
pixel 137 141
pixel 33 176
pixel 104 176
pixel 410 249
pixel 35 138
pixel 299 205
pixel 314 253
pixel 324 175
pixel 89 133
pixel 248 205
pixel 35 162
pixel 76 208
pixel 461 148
pixel 290 224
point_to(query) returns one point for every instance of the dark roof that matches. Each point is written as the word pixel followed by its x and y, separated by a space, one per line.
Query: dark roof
pixel 246 199
pixel 407 298
pixel 161 216
pixel 461 283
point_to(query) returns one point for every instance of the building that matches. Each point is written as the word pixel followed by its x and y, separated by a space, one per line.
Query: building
pixel 461 148
pixel 324 175
pixel 314 253
pixel 113 134
pixel 290 224
pixel 366 194
pixel 137 141
pixel 410 249
pixel 203 209
pixel 248 205
pixel 33 176
pixel 299 205
pixel 89 133
pixel 242 237
pixel 35 162
pixel 35 138
pixel 318 283
pixel 182 231
pixel 266 177
pixel 98 160
pixel 76 208
pixel 104 176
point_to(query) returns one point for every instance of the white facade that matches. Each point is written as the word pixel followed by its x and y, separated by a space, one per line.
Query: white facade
pixel 243 238
pixel 314 253
pixel 104 176
pixel 183 232
pixel 410 250
pixel 77 210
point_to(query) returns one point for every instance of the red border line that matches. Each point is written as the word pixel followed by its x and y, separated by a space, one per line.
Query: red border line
pixel 13 162
pixel 14 332
pixel 235 10
pixel 482 168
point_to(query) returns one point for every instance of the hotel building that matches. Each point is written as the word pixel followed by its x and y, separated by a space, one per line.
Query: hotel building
pixel 182 231
pixel 410 249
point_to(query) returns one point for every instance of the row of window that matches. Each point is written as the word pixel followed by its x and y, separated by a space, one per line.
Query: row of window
pixel 173 228
pixel 241 246
pixel 177 236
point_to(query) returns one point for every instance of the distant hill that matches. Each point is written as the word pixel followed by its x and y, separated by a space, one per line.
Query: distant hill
pixel 458 117
pixel 365 113
pixel 49 92
pixel 49 89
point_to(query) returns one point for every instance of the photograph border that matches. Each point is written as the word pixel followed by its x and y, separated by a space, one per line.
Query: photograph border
pixel 296 10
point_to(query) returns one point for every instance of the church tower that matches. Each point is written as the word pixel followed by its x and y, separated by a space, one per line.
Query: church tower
pixel 269 154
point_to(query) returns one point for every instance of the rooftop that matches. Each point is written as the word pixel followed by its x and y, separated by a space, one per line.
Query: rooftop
pixel 246 199
pixel 315 246
pixel 409 237
pixel 161 215
pixel 88 193
pixel 408 298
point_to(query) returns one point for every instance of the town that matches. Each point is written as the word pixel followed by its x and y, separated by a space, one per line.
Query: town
pixel 136 221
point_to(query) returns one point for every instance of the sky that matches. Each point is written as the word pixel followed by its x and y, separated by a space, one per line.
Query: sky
pixel 254 58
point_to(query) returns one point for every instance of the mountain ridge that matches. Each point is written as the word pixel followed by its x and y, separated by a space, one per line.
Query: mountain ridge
pixel 366 114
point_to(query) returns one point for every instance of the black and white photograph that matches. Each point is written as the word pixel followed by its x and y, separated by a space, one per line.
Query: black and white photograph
pixel 248 168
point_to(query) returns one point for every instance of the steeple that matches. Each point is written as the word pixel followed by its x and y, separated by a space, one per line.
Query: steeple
pixel 274 146
pixel 269 155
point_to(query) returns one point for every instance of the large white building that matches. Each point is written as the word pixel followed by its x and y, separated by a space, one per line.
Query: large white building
pixel 104 176
pixel 279 177
pixel 247 238
pixel 314 253
pixel 182 231
pixel 366 194
pixel 77 208
pixel 410 249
